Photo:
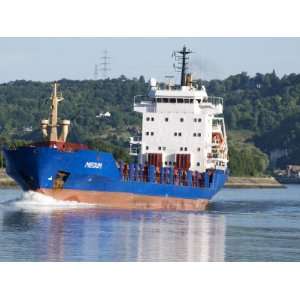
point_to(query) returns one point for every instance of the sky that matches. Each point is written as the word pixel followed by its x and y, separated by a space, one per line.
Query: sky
pixel 49 59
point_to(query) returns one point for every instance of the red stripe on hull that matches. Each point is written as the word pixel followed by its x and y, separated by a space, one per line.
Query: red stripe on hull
pixel 127 200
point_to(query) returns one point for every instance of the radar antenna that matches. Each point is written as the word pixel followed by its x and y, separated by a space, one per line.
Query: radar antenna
pixel 169 78
pixel 182 59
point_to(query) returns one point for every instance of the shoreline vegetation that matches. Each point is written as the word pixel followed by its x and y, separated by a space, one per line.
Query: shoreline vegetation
pixel 261 115
pixel 233 182
pixel 5 180
pixel 253 182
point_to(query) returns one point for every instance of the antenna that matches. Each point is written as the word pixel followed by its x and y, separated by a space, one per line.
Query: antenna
pixel 182 61
pixel 105 64
pixel 169 78
pixel 96 72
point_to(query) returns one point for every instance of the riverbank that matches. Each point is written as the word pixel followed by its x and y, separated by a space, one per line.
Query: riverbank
pixel 253 182
pixel 6 181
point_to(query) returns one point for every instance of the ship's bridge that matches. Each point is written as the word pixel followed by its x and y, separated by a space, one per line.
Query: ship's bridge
pixel 184 100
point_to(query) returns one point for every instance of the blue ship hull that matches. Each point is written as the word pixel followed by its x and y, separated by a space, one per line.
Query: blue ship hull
pixel 37 168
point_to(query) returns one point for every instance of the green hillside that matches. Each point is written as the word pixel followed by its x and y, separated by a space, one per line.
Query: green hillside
pixel 261 113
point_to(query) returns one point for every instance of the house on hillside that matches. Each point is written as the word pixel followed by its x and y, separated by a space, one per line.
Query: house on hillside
pixel 293 171
pixel 104 115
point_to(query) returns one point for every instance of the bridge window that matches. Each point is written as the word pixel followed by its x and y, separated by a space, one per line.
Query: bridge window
pixel 179 100
pixel 152 133
pixel 179 133
pixel 181 148
pixel 172 100
pixel 186 100
pixel 165 100
pixel 166 119
pixel 147 119
pixel 194 134
pixel 181 119
pixel 147 133
pixel 185 148
pixel 191 100
pixel 152 119
pixel 158 100
pixel 199 120
pixel 175 133
pixel 199 134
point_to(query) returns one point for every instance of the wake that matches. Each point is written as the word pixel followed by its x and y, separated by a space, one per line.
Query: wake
pixel 36 201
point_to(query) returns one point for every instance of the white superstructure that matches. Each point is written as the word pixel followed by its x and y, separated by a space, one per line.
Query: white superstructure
pixel 181 123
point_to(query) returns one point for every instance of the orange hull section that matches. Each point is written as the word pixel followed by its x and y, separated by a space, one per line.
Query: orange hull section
pixel 130 201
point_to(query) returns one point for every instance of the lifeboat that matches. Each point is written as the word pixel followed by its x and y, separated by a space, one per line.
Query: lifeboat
pixel 217 138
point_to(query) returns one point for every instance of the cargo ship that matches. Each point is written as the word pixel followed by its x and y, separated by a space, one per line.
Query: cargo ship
pixel 179 162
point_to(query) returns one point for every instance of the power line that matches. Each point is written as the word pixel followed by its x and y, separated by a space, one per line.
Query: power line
pixel 96 72
pixel 105 64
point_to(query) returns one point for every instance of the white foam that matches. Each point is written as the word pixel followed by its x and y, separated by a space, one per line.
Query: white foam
pixel 37 201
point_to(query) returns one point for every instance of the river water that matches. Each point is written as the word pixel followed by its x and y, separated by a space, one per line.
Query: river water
pixel 240 225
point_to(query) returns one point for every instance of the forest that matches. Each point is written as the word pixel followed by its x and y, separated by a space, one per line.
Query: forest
pixel 261 112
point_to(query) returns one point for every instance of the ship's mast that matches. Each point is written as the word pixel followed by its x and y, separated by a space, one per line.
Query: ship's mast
pixel 52 124
pixel 53 115
pixel 182 58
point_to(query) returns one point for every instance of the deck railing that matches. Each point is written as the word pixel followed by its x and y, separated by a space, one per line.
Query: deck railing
pixel 164 175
